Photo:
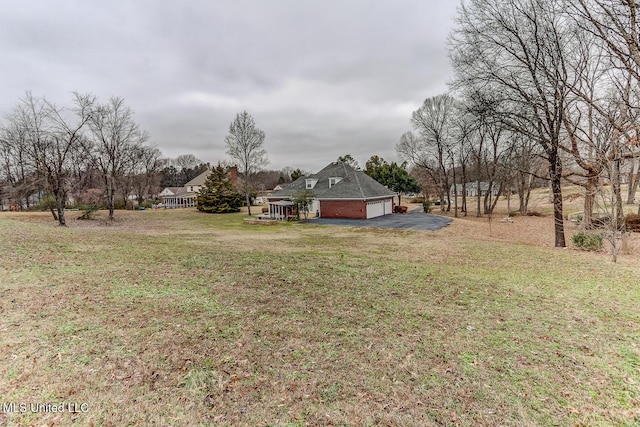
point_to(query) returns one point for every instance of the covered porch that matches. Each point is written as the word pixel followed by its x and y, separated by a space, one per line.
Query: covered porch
pixel 186 201
pixel 282 210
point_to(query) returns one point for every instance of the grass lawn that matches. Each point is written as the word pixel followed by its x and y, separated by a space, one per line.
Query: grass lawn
pixel 181 318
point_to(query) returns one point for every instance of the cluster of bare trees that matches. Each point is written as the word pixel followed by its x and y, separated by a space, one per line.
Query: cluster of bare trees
pixel 456 145
pixel 58 151
pixel 538 85
pixel 177 172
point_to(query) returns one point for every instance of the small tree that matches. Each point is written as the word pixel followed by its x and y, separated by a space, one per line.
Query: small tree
pixel 218 194
pixel 245 146
pixel 303 200
pixel 395 177
pixel 348 159
pixel 296 173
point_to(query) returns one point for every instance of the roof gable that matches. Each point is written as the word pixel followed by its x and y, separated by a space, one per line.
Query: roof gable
pixel 170 191
pixel 199 180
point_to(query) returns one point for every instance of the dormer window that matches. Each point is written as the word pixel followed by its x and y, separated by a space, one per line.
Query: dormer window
pixel 310 183
pixel 334 180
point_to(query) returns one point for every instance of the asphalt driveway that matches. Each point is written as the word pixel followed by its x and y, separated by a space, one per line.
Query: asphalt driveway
pixel 414 220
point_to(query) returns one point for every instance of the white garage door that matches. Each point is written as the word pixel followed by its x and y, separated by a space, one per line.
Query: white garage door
pixel 375 209
pixel 315 207
pixel 388 207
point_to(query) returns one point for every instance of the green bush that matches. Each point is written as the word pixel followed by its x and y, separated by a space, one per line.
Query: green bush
pixel 47 203
pixel 426 205
pixel 119 204
pixel 148 203
pixel 588 241
pixel 88 211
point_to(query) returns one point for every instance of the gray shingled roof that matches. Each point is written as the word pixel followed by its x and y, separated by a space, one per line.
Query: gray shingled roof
pixel 198 180
pixel 353 185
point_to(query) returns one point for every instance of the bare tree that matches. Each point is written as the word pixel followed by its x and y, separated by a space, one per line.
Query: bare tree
pixel 245 145
pixel 513 52
pixel 527 167
pixel 189 166
pixel 115 137
pixel 46 136
pixel 616 23
pixel 464 132
pixel 147 164
pixel 487 145
pixel 432 149
pixel 19 175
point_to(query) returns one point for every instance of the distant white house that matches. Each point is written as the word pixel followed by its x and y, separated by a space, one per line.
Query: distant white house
pixel 471 189
pixel 183 197
pixel 186 196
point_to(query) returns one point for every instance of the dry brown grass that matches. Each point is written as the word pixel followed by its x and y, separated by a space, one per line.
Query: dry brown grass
pixel 528 230
pixel 181 318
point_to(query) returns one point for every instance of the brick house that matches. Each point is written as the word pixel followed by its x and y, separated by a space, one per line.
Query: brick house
pixel 339 191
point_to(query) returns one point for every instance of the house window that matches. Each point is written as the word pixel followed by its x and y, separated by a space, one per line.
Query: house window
pixel 190 188
pixel 334 180
pixel 310 183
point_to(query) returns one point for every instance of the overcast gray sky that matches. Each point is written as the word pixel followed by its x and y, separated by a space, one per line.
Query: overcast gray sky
pixel 320 78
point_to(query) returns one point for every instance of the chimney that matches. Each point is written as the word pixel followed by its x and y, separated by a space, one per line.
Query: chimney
pixel 233 172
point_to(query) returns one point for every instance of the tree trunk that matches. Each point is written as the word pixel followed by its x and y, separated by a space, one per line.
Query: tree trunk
pixel 60 199
pixel 464 189
pixel 486 200
pixel 111 200
pixel 495 200
pixel 464 199
pixel 446 192
pixel 633 182
pixel 589 202
pixel 525 207
pixel 555 175
pixel 524 192
pixel 615 187
pixel 521 197
pixel 478 211
pixel 248 202
pixel 455 194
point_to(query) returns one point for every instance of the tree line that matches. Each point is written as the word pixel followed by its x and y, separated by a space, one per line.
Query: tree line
pixel 96 154
pixel 541 90
pixel 59 149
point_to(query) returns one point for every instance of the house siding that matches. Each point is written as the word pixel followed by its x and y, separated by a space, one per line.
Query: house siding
pixel 356 209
